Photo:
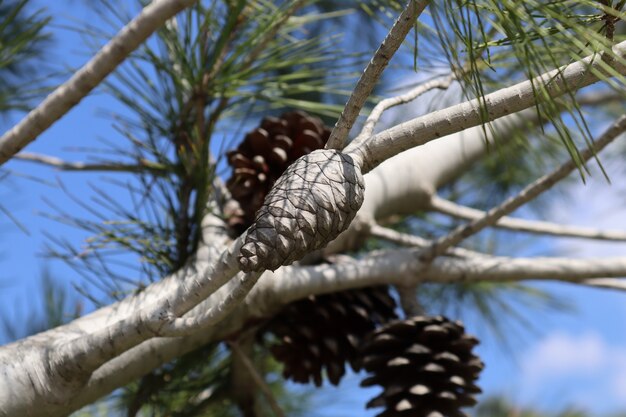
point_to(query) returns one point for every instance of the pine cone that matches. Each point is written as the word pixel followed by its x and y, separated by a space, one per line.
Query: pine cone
pixel 311 204
pixel 324 332
pixel 425 366
pixel 264 155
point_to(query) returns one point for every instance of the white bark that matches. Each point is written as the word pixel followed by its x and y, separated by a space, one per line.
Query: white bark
pixel 608 283
pixel 89 76
pixel 186 326
pixel 405 239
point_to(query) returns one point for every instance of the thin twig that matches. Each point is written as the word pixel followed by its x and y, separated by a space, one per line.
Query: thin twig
pixel 384 105
pixel 522 225
pixel 544 183
pixel 142 165
pixel 373 71
pixel 608 283
pixel 408 240
pixel 89 76
pixel 257 379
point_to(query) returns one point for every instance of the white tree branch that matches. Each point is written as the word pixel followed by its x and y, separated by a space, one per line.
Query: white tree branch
pixel 368 127
pixel 403 267
pixel 400 267
pixel 409 240
pixel 52 161
pixel 434 165
pixel 608 283
pixel 373 71
pixel 421 130
pixel 528 193
pixel 89 76
pixel 522 225
pixel 91 342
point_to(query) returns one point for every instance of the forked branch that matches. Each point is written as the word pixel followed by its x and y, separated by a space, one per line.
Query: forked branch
pixel 423 129
pixel 531 191
pixel 384 105
pixel 373 71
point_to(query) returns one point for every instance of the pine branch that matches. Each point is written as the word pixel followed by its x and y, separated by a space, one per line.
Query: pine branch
pixel 416 132
pixel 522 225
pixel 142 165
pixel 384 105
pixel 608 283
pixel 531 191
pixel 89 76
pixel 243 390
pixel 405 239
pixel 404 268
pixel 103 344
pixel 373 71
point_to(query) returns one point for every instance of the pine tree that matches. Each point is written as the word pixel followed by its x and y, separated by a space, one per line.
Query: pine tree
pixel 226 109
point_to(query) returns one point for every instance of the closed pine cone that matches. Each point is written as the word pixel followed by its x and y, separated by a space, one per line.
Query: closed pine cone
pixel 425 366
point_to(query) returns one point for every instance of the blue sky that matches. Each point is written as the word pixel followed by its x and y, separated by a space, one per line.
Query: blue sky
pixel 577 359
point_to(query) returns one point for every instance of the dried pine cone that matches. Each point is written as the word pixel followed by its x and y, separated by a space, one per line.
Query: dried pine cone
pixel 309 206
pixel 425 366
pixel 264 155
pixel 324 332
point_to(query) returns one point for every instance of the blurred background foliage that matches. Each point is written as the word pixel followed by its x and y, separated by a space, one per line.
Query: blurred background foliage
pixel 24 39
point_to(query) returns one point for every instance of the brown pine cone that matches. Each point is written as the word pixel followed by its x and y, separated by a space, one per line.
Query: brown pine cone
pixel 322 333
pixel 425 366
pixel 264 155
